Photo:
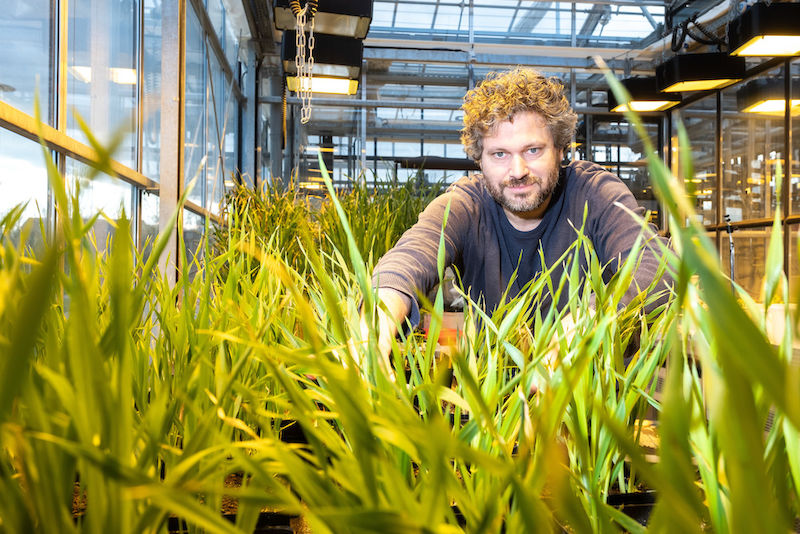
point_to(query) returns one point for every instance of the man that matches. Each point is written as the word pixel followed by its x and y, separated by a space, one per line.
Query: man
pixel 517 127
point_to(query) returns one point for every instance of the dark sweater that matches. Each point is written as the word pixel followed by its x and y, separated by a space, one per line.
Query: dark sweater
pixel 484 248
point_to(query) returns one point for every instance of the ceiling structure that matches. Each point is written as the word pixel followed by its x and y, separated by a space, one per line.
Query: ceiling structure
pixel 420 56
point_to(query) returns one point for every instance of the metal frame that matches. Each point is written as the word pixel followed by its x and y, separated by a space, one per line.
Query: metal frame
pixel 171 156
pixel 23 124
pixel 786 216
pixel 216 46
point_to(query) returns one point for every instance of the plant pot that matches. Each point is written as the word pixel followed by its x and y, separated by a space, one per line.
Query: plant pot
pixel 292 432
pixel 268 523
pixel 637 505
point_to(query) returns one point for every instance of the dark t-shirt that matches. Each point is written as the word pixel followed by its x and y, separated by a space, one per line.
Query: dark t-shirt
pixel 480 247
pixel 520 248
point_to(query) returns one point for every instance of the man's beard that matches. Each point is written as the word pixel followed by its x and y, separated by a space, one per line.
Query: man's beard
pixel 530 201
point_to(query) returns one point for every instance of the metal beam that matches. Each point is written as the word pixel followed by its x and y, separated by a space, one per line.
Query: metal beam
pixel 649 17
pixel 417 92
pixel 554 59
pixel 172 124
pixel 596 15
pixel 201 211
pixel 349 103
pixel 23 124
pixel 634 3
pixel 402 104
pixel 531 18
pixel 448 39
pixel 216 47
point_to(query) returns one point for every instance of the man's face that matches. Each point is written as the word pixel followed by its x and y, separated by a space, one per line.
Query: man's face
pixel 520 167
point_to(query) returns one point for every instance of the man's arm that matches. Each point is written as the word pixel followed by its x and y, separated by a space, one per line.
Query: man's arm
pixel 616 226
pixel 410 267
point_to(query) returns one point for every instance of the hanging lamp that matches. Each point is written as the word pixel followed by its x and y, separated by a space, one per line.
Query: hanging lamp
pixel 699 72
pixel 336 66
pixel 767 96
pixel 766 30
pixel 349 18
pixel 645 96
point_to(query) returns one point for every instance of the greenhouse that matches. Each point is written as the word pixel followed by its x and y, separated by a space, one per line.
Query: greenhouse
pixel 323 266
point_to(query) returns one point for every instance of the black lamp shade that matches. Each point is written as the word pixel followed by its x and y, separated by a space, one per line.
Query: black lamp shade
pixel 763 25
pixel 334 55
pixel 645 96
pixel 335 17
pixel 766 96
pixel 699 72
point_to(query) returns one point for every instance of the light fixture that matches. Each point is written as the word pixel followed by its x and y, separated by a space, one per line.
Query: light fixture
pixel 123 76
pixel 767 96
pixel 645 96
pixel 699 72
pixel 335 17
pixel 766 30
pixel 323 84
pixel 334 55
pixel 81 73
pixel 337 64
pixel 118 75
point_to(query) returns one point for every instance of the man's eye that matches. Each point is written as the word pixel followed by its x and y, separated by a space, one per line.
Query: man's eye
pixel 534 150
pixel 498 154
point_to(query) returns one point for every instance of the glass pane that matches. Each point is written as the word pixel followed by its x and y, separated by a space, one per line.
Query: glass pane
pixel 749 254
pixel 25 60
pixel 263 146
pixel 752 144
pixel 23 178
pixel 102 72
pixel 794 192
pixel 150 220
pixel 231 45
pixel 215 14
pixel 215 121
pixel 195 105
pixel 699 119
pixel 192 233
pixel 99 193
pixel 151 103
pixel 230 145
pixel 616 146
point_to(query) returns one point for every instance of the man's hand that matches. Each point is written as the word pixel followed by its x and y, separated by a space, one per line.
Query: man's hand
pixel 393 308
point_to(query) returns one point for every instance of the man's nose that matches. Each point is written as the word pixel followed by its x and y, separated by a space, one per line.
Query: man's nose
pixel 518 167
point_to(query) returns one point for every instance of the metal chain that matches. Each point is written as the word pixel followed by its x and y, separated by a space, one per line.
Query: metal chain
pixel 303 65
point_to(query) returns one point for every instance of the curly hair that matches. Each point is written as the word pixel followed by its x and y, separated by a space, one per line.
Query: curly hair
pixel 502 95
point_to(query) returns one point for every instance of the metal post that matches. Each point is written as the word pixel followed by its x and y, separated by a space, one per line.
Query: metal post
pixel 60 103
pixel 363 123
pixel 471 58
pixel 173 65
pixel 573 97
pixel 288 149
pixel 247 122
pixel 718 169
pixel 136 204
pixel 100 62
pixel 276 143
pixel 787 159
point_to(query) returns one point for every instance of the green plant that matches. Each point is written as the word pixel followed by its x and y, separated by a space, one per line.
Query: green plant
pixel 150 396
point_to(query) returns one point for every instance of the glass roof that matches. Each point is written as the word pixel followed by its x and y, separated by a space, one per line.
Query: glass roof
pixel 621 24
pixel 421 56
